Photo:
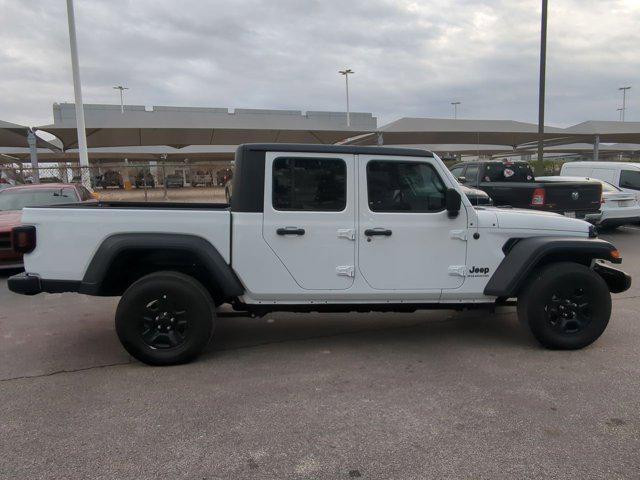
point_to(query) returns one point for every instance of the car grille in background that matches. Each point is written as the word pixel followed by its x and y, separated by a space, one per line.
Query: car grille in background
pixel 5 241
pixel 626 203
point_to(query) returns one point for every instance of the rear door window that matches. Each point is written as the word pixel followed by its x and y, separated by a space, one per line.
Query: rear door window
pixel 309 184
pixel 630 179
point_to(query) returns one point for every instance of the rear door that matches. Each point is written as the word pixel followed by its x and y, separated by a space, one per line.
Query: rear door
pixel 406 240
pixel 309 217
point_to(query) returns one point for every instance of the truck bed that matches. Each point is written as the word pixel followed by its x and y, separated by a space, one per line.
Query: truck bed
pixel 69 235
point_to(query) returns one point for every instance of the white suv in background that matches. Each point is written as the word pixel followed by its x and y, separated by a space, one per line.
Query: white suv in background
pixel 625 175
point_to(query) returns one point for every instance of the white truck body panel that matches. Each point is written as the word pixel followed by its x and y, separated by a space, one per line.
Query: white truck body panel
pixel 429 257
pixel 69 237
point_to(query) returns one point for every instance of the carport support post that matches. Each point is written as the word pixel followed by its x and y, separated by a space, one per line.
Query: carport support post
pixel 164 175
pixel 543 69
pixel 596 148
pixel 33 154
pixel 85 175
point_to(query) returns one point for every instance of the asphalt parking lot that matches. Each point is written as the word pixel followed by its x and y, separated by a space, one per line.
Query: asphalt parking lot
pixel 405 396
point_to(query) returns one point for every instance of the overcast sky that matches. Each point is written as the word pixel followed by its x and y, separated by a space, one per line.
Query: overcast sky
pixel 411 58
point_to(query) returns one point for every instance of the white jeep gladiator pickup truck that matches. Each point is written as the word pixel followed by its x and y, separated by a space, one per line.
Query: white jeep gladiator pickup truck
pixel 317 228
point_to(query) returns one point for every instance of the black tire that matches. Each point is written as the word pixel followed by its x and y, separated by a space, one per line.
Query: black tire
pixel 566 305
pixel 165 318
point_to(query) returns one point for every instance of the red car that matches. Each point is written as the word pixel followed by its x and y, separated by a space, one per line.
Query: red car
pixel 14 199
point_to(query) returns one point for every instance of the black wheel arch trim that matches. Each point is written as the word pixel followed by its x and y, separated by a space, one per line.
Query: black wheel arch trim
pixel 528 253
pixel 221 272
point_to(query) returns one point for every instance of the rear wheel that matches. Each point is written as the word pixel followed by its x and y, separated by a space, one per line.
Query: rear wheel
pixel 566 305
pixel 165 318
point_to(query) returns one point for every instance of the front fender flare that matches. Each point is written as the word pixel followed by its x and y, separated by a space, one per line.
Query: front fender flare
pixel 529 253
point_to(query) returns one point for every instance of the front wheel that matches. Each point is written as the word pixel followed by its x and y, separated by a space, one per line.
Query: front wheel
pixel 165 318
pixel 566 305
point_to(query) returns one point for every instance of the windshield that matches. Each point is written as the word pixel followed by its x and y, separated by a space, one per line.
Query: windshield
pixel 607 187
pixel 18 199
pixel 507 172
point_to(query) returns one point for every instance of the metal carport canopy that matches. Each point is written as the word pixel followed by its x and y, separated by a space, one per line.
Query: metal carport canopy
pixel 179 126
pixel 573 148
pixel 462 149
pixel 14 135
pixel 132 153
pixel 407 131
pixel 607 131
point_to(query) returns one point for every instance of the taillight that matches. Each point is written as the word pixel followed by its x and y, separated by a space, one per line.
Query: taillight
pixel 538 197
pixel 23 238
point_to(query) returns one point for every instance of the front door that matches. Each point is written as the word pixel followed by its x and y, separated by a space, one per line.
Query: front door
pixel 406 239
pixel 309 217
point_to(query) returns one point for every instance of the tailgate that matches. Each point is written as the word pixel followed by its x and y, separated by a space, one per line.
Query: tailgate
pixel 573 196
pixel 514 194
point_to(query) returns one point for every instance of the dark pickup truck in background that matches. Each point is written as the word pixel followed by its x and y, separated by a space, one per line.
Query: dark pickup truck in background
pixel 513 184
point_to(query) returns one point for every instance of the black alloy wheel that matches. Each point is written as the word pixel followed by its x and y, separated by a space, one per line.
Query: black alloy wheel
pixel 164 324
pixel 165 318
pixel 566 305
pixel 569 311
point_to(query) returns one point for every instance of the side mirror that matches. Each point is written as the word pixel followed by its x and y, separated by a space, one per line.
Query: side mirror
pixel 453 202
pixel 462 180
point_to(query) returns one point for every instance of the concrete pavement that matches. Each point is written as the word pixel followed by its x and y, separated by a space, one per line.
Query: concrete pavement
pixel 427 395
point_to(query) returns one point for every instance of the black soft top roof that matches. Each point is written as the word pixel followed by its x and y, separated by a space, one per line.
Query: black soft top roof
pixel 313 148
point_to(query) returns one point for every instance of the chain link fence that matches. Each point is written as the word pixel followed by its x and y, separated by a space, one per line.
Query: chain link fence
pixel 163 181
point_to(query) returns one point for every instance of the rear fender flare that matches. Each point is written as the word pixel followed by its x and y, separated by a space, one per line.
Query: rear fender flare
pixel 221 273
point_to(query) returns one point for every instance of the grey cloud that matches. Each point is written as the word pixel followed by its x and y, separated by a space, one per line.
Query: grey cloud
pixel 412 58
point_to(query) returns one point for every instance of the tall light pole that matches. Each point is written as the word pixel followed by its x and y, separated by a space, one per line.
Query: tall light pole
pixel 620 110
pixel 346 72
pixel 455 109
pixel 624 100
pixel 122 89
pixel 543 71
pixel 77 89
